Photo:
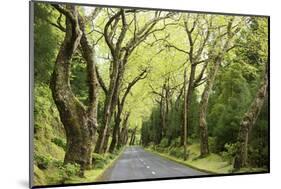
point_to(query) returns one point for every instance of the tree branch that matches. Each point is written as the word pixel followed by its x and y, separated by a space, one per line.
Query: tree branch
pixel 141 76
pixel 101 82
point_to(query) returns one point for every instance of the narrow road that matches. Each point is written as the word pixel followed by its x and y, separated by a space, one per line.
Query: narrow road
pixel 135 164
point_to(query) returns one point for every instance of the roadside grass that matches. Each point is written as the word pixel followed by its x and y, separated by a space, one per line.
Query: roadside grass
pixel 96 174
pixel 213 163
pixel 53 174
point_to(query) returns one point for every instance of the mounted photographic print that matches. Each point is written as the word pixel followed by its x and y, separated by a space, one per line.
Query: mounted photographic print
pixel 122 94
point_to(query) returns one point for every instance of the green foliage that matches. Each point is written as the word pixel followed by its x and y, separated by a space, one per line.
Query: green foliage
pixel 48 169
pixel 47 124
pixel 42 162
pixel 175 142
pixel 229 153
pixel 151 128
pixel 175 120
pixel 226 109
pixel 151 132
pixel 177 152
pixel 212 144
pixel 78 79
pixel 100 161
pixel 254 38
pixel 59 142
pixel 258 149
pixel 69 170
pixel 46 39
pixel 164 143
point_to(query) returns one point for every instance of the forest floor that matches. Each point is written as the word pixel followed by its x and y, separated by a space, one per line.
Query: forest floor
pixel 213 163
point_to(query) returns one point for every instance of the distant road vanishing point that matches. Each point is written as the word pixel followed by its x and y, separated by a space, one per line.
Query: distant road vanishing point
pixel 135 164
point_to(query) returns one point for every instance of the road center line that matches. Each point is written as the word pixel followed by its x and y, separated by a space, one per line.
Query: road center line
pixel 153 172
pixel 147 167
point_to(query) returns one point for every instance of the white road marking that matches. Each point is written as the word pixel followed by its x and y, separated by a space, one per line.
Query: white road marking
pixel 147 167
pixel 153 172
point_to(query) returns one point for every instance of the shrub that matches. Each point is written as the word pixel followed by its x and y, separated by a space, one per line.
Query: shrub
pixel 229 153
pixel 164 143
pixel 57 163
pixel 160 149
pixel 99 161
pixel 110 156
pixel 71 169
pixel 258 157
pixel 42 161
pixel 96 157
pixel 66 171
pixel 175 142
pixel 176 152
pixel 59 142
pixel 212 144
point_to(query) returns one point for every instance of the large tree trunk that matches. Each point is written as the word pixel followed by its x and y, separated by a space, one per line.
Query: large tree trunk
pixel 110 103
pixel 105 146
pixel 162 118
pixel 119 138
pixel 187 104
pixel 123 133
pixel 133 136
pixel 115 132
pixel 204 146
pixel 79 123
pixel 247 123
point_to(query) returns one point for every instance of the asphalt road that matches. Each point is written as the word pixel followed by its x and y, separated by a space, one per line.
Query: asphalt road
pixel 135 164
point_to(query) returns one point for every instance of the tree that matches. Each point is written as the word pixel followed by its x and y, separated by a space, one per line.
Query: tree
pixel 195 59
pixel 120 107
pixel 80 122
pixel 133 136
pixel 248 122
pixel 120 50
pixel 123 135
pixel 204 146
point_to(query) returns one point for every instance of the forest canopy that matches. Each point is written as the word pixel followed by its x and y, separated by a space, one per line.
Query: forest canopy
pixel 188 85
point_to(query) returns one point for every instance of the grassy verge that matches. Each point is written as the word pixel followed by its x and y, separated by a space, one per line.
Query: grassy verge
pixel 213 163
pixel 56 173
pixel 95 174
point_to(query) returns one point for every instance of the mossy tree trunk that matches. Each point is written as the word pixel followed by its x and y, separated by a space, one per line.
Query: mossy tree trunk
pixel 123 132
pixel 115 133
pixel 79 121
pixel 133 135
pixel 203 129
pixel 248 122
